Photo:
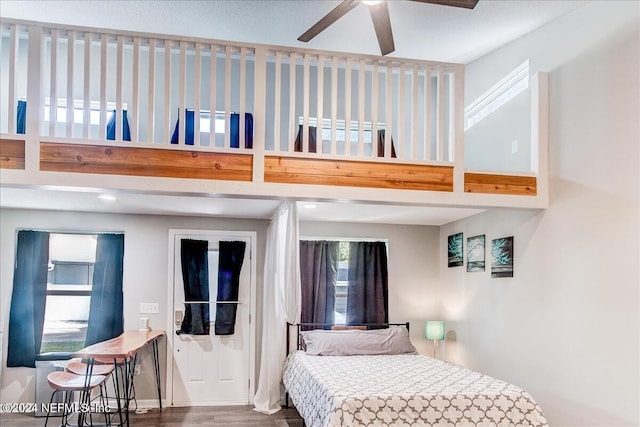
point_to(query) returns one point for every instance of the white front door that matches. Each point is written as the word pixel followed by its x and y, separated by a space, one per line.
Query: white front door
pixel 212 369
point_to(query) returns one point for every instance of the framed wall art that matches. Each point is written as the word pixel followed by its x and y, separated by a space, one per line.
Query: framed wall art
pixel 502 257
pixel 475 253
pixel 455 246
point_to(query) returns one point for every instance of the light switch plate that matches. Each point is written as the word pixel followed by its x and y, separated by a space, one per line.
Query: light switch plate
pixel 149 307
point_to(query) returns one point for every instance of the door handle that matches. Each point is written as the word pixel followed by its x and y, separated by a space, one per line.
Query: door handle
pixel 177 317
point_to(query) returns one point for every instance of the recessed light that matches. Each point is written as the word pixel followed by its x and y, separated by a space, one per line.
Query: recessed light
pixel 309 206
pixel 107 197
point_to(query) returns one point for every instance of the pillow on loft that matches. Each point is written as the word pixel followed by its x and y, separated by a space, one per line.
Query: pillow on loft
pixel 352 342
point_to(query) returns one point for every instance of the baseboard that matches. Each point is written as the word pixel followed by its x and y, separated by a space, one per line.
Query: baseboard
pixel 148 404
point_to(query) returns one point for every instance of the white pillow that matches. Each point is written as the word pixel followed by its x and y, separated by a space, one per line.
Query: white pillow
pixel 394 340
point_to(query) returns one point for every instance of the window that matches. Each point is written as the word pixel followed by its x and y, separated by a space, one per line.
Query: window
pixel 205 122
pixel 342 285
pixel 69 283
pixel 78 111
pixel 341 129
pixel 344 281
pixel 60 283
pixel 502 92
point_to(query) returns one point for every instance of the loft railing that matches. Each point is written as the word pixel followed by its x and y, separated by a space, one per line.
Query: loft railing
pixel 87 84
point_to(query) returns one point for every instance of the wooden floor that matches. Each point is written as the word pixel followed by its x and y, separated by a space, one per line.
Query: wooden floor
pixel 199 416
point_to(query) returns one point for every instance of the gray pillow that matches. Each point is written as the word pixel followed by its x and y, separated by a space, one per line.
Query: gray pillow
pixel 393 340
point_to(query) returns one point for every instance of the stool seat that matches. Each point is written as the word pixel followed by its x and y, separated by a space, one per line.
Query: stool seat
pixel 67 381
pixel 108 361
pixel 80 368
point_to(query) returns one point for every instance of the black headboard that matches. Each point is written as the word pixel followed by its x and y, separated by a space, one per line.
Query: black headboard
pixel 306 326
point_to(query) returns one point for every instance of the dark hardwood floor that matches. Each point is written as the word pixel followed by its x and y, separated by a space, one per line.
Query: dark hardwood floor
pixel 198 416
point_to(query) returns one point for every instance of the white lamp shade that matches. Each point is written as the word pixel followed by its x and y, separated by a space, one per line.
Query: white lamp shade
pixel 434 330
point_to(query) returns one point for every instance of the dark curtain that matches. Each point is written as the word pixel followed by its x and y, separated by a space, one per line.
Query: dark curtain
pixel 318 276
pixel 195 276
pixel 229 266
pixel 235 130
pixel 111 126
pixel 26 316
pixel 312 139
pixel 188 129
pixel 381 134
pixel 367 298
pixel 105 312
pixel 21 117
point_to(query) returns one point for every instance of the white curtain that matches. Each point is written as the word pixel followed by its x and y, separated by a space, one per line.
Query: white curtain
pixel 280 304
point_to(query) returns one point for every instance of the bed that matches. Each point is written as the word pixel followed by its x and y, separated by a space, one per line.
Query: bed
pixel 332 384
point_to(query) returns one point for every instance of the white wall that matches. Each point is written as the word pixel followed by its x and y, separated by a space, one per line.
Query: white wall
pixel 488 145
pixel 145 274
pixel 413 269
pixel 566 326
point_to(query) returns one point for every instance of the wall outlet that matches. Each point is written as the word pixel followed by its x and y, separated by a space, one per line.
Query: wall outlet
pixel 136 370
pixel 149 307
pixel 514 147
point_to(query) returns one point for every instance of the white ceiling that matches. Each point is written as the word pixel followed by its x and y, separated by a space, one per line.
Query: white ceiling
pixel 163 204
pixel 422 31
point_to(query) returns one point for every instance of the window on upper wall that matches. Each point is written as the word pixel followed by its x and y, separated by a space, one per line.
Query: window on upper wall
pixel 341 129
pixel 205 122
pixel 500 94
pixel 69 283
pixel 78 111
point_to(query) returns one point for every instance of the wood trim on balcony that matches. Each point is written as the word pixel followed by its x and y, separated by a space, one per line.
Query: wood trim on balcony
pixel 12 153
pixel 500 184
pixel 292 170
pixel 105 159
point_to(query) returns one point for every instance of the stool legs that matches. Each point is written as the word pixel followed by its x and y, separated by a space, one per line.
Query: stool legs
pixel 67 383
pixel 67 402
pixel 49 408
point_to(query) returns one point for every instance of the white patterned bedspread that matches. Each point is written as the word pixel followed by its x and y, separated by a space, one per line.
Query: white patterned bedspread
pixel 402 390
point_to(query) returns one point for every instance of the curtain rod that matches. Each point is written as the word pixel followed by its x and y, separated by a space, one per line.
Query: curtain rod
pixel 57 231
pixel 345 239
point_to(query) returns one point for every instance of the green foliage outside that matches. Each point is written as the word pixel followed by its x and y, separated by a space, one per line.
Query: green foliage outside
pixel 54 346
pixel 343 250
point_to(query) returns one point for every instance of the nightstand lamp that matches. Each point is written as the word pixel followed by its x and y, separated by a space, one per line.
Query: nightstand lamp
pixel 434 330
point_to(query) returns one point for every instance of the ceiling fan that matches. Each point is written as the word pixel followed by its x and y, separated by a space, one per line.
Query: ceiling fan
pixel 379 15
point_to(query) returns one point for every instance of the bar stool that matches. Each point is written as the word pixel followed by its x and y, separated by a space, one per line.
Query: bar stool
pixel 80 368
pixel 120 365
pixel 68 383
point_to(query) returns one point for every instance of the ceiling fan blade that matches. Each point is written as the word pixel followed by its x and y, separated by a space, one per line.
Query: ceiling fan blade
pixel 331 17
pixel 468 4
pixel 382 24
